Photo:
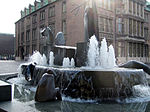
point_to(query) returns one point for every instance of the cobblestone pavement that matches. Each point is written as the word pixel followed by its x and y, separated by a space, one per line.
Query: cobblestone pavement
pixel 9 66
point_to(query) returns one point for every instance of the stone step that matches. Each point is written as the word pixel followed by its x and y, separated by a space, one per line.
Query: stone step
pixel 5 91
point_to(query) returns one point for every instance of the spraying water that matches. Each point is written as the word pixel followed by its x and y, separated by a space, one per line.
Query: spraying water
pixel 93 52
pixel 51 59
pixel 38 58
pixel 101 58
pixel 66 62
pixel 44 60
pixel 111 57
pixel 72 63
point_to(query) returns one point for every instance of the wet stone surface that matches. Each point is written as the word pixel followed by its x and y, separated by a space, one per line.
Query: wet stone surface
pixel 10 66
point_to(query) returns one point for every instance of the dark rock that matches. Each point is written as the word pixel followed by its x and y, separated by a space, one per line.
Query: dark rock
pixel 137 65
pixel 46 89
pixel 30 69
pixel 59 39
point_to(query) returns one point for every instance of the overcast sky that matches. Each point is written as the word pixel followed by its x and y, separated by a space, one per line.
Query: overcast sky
pixel 10 13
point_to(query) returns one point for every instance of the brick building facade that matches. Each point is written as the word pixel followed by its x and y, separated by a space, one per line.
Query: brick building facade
pixel 122 22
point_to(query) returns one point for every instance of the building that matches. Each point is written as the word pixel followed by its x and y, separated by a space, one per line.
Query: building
pixel 147 24
pixel 56 14
pixel 121 22
pixel 131 43
pixel 6 46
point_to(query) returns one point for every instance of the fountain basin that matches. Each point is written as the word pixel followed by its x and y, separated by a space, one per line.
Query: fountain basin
pixel 96 84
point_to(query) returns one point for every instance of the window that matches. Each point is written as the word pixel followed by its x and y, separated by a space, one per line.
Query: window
pixel 121 49
pixel 111 4
pixel 134 9
pixel 146 33
pixel 34 18
pixel 134 50
pixel 18 39
pixel 130 49
pixel 22 24
pixel 100 2
pixel 64 7
pixel 106 25
pixel 146 51
pixel 42 15
pixel 105 4
pixel 138 9
pixel 142 28
pixel 27 50
pixel 51 12
pixel 138 50
pixel 28 35
pixel 134 27
pixel 138 28
pixel 33 34
pixel 28 21
pixel 111 25
pixel 130 27
pixel 120 26
pixel 22 37
pixel 146 17
pixel 101 24
pixel 64 27
pixel 142 50
pixel 130 6
pixel 141 10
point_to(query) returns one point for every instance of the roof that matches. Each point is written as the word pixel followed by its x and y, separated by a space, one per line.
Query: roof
pixel 33 8
pixel 147 6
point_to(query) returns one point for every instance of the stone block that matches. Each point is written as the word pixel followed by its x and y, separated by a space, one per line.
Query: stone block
pixel 81 54
pixel 61 52
pixel 5 91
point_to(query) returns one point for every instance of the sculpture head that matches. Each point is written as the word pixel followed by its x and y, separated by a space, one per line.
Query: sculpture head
pixel 60 39
pixel 47 32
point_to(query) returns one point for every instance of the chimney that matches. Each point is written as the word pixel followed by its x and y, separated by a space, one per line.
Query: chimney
pixel 30 8
pixel 25 11
pixel 22 14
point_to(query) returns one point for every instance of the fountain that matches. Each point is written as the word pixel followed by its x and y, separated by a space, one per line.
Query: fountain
pixel 92 73
pixel 88 72
pixel 99 80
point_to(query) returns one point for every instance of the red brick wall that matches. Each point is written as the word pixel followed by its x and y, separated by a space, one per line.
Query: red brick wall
pixel 75 22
